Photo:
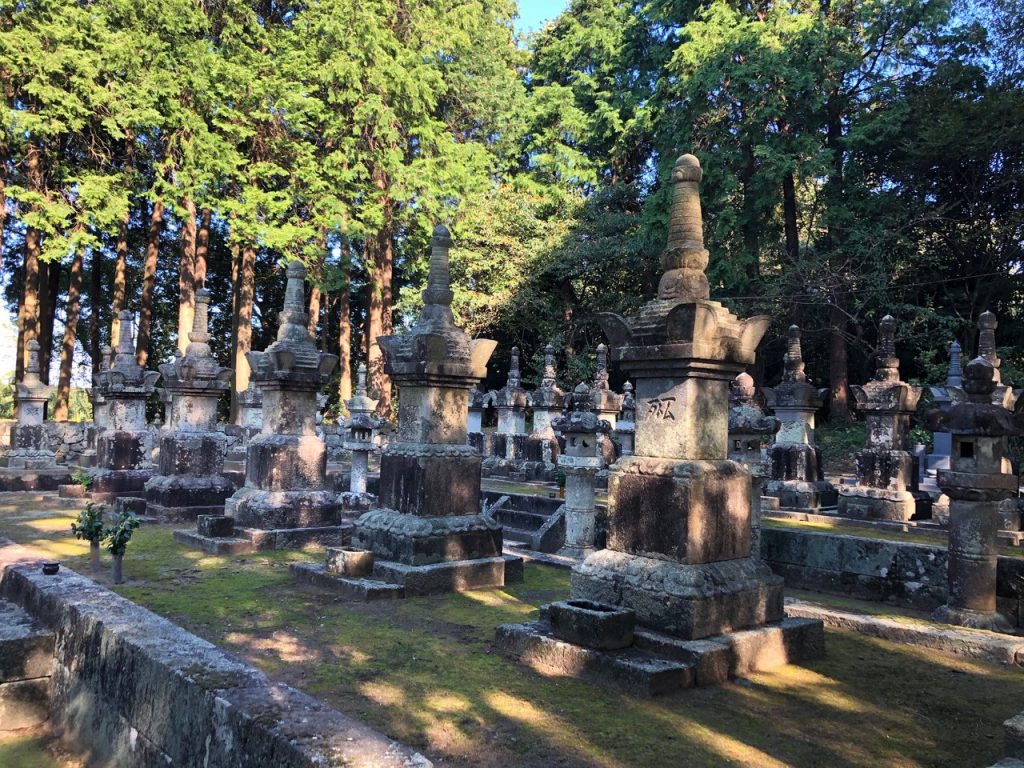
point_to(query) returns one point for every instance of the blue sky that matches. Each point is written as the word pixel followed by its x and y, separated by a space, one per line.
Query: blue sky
pixel 533 13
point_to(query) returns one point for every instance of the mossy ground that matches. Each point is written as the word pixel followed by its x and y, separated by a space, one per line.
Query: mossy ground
pixel 425 672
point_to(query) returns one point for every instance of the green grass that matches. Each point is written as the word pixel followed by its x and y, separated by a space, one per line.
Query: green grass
pixel 425 671
pixel 26 752
pixel 838 444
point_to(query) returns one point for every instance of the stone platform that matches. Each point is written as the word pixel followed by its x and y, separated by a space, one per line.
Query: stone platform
pixel 108 485
pixel 390 579
pixel 246 540
pixel 12 480
pixel 657 663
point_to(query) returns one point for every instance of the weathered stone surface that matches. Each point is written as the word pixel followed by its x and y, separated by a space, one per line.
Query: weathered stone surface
pixel 350 587
pixel 24 704
pixel 414 540
pixel 595 625
pixel 178 700
pixel 26 646
pixel 217 526
pixel 349 561
pixel 430 482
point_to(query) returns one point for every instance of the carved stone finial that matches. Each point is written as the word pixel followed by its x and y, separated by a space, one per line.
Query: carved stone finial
pixel 743 387
pixel 793 360
pixel 294 311
pixel 200 322
pixel 514 378
pixel 955 375
pixel 32 364
pixel 888 365
pixel 979 380
pixel 126 341
pixel 987 325
pixel 685 258
pixel 439 289
pixel 106 356
pixel 361 380
pixel 601 374
pixel 549 378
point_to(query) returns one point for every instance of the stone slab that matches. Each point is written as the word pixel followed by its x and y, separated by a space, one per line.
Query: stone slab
pixel 346 586
pixel 457 576
pixel 24 704
pixel 219 545
pixel 33 480
pixel 984 646
pixel 26 646
pixel 248 540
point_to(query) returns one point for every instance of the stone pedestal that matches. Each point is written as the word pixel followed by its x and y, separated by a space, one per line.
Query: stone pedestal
pixel 189 481
pixel 285 496
pixel 979 481
pixel 795 475
pixel 679 552
pixel 427 533
pixel 581 462
pixel 121 460
pixel 886 469
pixel 749 425
pixel 29 447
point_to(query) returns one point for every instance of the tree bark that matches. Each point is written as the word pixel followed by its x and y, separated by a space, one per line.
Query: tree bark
pixel 95 300
pixel 345 333
pixel 156 222
pixel 28 311
pixel 380 254
pixel 789 218
pixel 3 199
pixel 202 248
pixel 120 281
pixel 67 348
pixel 187 274
pixel 243 314
pixel 49 283
pixel 838 366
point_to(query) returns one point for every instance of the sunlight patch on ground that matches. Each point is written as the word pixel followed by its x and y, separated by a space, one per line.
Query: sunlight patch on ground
pixel 384 694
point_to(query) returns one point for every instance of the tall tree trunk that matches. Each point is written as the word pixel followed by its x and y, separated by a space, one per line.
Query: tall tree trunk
pixel 202 248
pixel 838 364
pixel 95 301
pixel 3 199
pixel 67 348
pixel 839 374
pixel 345 332
pixel 243 322
pixel 28 311
pixel 48 295
pixel 156 222
pixel 187 274
pixel 789 218
pixel 751 226
pixel 380 253
pixel 120 280
pixel 316 274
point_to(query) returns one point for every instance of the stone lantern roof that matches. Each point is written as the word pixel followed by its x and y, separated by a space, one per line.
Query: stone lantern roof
pixel 435 350
pixel 30 387
pixel 361 403
pixel 886 393
pixel 973 412
pixel 681 322
pixel 580 417
pixel 512 395
pixel 197 372
pixel 125 378
pixel 795 390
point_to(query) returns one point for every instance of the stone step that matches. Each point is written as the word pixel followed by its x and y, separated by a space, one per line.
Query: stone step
pixel 514 518
pixel 352 588
pixel 517 534
pixel 26 663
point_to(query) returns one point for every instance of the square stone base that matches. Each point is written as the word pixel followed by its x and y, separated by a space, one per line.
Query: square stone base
pixel 270 510
pixel 800 494
pixel 866 503
pixel 180 498
pixel 391 579
pixel 247 540
pixel 657 663
pixel 688 601
pixel 112 484
pixel 420 541
pixel 38 480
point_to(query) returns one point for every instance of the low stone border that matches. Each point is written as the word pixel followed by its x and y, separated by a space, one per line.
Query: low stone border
pixel 130 688
pixel 953 641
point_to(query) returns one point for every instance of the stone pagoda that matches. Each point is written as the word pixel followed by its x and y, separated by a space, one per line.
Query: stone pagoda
pixel 679 566
pixel 796 476
pixel 581 461
pixel 29 447
pixel 189 482
pixel 886 470
pixel 1002 394
pixel 548 401
pixel 942 442
pixel 749 425
pixel 359 430
pixel 427 534
pixel 285 502
pixel 979 483
pixel 625 425
pixel 100 417
pixel 121 448
pixel 511 402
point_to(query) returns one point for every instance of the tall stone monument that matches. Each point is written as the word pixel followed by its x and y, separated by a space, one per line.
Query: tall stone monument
pixel 99 410
pixel 121 448
pixel 749 425
pixel 979 481
pixel 886 469
pixel 359 442
pixel 189 482
pixel 1003 394
pixel 511 402
pixel 679 561
pixel 942 442
pixel 547 400
pixel 29 447
pixel 797 478
pixel 427 534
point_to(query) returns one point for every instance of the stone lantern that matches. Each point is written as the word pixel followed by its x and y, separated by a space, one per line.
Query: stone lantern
pixel 606 402
pixel 749 424
pixel 886 470
pixel 29 447
pixel 979 481
pixel 511 402
pixel 285 485
pixel 476 408
pixel 427 533
pixel 625 425
pixel 120 449
pixel 547 400
pixel 189 480
pixel 359 441
pixel 679 561
pixel 581 462
pixel 797 478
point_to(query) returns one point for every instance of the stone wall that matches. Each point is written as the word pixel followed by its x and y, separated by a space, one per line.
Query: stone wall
pixel 130 688
pixel 901 573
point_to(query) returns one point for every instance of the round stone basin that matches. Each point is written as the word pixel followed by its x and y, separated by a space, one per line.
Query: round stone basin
pixel 592 624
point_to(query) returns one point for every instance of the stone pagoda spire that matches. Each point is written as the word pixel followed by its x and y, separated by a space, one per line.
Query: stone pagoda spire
pixel 1002 394
pixel 359 441
pixel 942 442
pixel 979 481
pixel 285 484
pixel 29 447
pixel 189 480
pixel 427 534
pixel 886 469
pixel 548 401
pixel 511 401
pixel 955 374
pixel 120 449
pixel 679 557
pixel 796 476
pixel 606 402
